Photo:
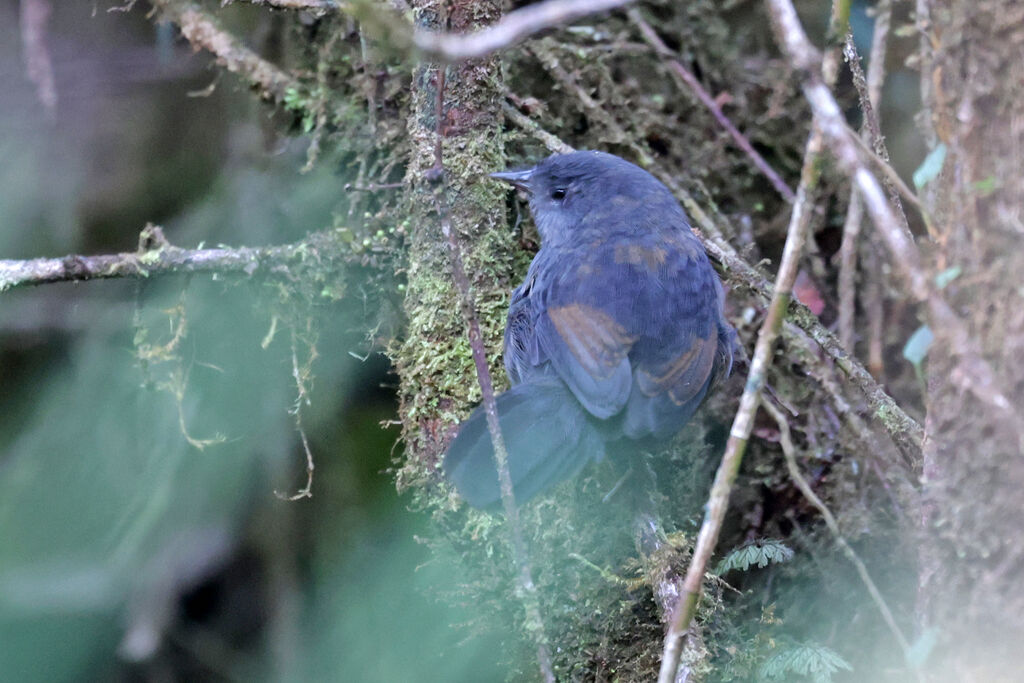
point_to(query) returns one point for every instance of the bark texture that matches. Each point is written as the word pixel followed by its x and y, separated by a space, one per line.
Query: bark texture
pixel 438 381
pixel 973 560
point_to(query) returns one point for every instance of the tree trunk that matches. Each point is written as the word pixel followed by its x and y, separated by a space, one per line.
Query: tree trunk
pixel 438 380
pixel 973 564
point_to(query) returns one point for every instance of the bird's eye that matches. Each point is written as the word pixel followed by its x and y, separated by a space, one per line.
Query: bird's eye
pixel 558 194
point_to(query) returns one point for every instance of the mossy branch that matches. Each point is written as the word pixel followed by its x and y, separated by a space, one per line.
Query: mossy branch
pixel 157 257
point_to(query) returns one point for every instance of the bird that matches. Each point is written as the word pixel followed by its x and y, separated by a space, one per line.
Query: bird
pixel 614 337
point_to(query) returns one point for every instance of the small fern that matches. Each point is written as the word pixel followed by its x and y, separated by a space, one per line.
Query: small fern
pixel 816 662
pixel 760 553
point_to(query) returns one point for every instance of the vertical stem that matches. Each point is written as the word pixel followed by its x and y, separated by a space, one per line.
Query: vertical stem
pixel 736 446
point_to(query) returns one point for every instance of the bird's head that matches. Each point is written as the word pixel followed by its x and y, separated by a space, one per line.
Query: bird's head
pixel 589 189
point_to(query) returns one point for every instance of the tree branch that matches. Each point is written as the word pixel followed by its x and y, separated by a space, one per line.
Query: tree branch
pixel 974 373
pixel 157 257
pixel 687 80
pixel 454 47
pixel 202 30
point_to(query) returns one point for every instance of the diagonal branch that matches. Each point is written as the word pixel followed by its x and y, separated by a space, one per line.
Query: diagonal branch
pixel 202 30
pixel 453 47
pixel 688 80
pixel 974 373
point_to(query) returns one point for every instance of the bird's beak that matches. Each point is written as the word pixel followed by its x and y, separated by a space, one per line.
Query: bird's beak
pixel 520 179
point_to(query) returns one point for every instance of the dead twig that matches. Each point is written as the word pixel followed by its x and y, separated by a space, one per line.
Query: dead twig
pixel 300 374
pixel 974 374
pixel 718 499
pixel 687 80
pixel 788 450
pixel 524 576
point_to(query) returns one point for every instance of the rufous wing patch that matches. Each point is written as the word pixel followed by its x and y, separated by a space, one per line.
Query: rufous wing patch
pixel 639 255
pixel 683 376
pixel 593 337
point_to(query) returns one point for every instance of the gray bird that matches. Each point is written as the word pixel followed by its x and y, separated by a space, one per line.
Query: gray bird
pixel 616 335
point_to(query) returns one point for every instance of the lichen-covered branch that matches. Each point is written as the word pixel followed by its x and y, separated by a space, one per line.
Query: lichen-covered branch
pixel 202 30
pixel 157 257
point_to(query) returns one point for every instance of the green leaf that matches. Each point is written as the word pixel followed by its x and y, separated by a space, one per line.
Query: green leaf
pixel 987 186
pixel 943 279
pixel 811 660
pixel 762 553
pixel 930 167
pixel 916 348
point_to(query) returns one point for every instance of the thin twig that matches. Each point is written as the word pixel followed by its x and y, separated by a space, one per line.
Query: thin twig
pixel 301 399
pixel 974 373
pixel 788 450
pixel 718 499
pixel 848 270
pixel 872 94
pixel 873 133
pixel 524 575
pixel 685 79
pixel 743 423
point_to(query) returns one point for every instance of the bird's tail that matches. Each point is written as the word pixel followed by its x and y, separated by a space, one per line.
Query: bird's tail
pixel 548 435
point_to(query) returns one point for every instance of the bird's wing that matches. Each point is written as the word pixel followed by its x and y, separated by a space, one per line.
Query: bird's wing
pixel 674 363
pixel 577 336
pixel 519 334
